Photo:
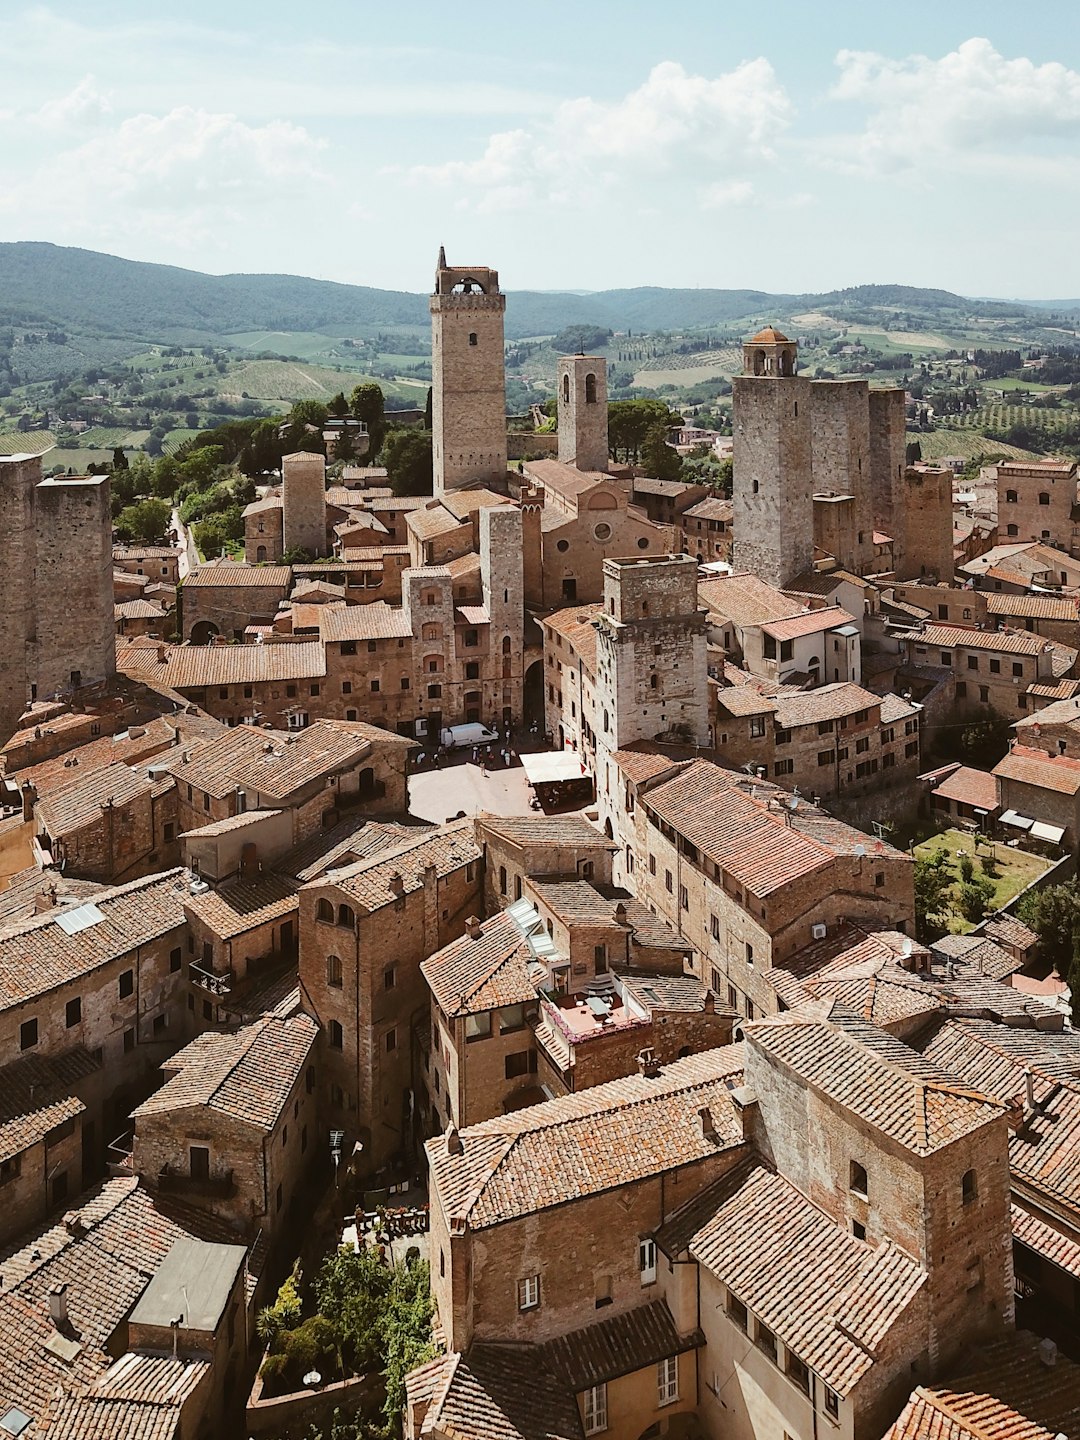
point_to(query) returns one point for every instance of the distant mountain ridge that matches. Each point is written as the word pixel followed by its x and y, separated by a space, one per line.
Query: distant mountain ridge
pixel 84 290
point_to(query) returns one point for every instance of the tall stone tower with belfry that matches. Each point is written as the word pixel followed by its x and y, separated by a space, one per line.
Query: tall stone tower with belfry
pixel 773 497
pixel 582 411
pixel 468 377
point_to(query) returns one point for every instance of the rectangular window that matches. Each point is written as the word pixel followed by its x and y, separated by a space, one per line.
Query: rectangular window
pixel 832 1403
pixel 160 1023
pixel 782 737
pixel 647 1261
pixel 766 1341
pixel 714 926
pixel 521 1063
pixel 737 1313
pixel 972 662
pixel 757 727
pixel 684 898
pixel 749 953
pixel 784 767
pixel 73 1012
pixel 798 1372
pixel 825 757
pixel 391 1041
pixel 511 1017
pixel 528 1292
pixel 1018 667
pixel 478 1027
pixel 127 984
pixel 595 1405
pixel 667 1381
pixel 28 1034
pixel 652 864
pixel 176 959
pixel 669 884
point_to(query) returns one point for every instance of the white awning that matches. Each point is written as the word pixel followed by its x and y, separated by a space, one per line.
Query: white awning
pixel 1041 831
pixel 551 767
pixel 1018 822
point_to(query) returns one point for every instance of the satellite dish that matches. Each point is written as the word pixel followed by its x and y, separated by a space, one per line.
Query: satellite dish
pixel 907 946
pixel 794 802
pixel 860 851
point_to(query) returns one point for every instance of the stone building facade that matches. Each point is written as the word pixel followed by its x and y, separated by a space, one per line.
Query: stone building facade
pixel 303 502
pixel 888 457
pixel 840 447
pixel 581 398
pixel 928 546
pixel 468 386
pixel 56 623
pixel 1035 501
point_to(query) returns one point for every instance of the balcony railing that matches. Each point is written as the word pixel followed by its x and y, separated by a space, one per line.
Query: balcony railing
pixel 217 1187
pixel 212 983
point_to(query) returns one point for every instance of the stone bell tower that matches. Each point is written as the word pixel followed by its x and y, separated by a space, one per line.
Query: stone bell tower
pixel 468 377
pixel 583 412
pixel 773 484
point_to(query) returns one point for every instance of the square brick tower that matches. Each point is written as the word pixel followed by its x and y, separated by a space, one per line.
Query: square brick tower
pixel 468 377
pixel 773 486
pixel 583 413
pixel 303 489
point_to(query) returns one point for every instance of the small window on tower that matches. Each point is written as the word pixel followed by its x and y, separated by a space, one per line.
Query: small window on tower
pixel 590 389
pixel 472 338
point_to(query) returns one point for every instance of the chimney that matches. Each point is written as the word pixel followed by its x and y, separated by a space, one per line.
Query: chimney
pixel 710 1003
pixel 74 1223
pixel 647 1063
pixel 708 1125
pixel 161 654
pixel 58 1306
pixel 29 795
pixel 1029 1086
pixel 453 1141
pixel 472 928
pixel 45 899
pixel 620 913
pixel 397 883
pixel 249 860
pixel 1048 1353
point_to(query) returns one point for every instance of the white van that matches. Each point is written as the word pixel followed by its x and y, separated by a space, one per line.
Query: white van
pixel 461 737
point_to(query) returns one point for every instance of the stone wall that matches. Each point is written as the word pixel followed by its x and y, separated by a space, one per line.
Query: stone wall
pixel 772 495
pixel 888 456
pixel 303 488
pixel 468 392
pixel 840 416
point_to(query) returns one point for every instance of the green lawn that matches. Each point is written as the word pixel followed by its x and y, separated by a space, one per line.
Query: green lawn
pixel 1015 868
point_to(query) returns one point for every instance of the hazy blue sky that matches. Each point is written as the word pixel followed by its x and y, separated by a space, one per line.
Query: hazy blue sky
pixel 780 145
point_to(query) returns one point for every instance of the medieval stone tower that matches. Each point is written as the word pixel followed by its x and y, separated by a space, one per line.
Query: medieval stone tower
pixel 888 450
pixel 303 502
pixel 582 411
pixel 468 377
pixel 773 488
pixel 502 579
pixel 56 622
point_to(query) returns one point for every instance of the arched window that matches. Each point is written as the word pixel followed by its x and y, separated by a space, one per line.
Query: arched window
pixel 859 1184
pixel 566 389
pixel 1044 497
pixel 325 911
pixel 654 682
pixel 431 632
pixel 260 554
pixel 590 389
pixel 969 1187
pixel 506 648
pixel 346 916
pixel 333 971
pixel 1010 497
pixel 1011 530
pixel 472 338
pixel 607 722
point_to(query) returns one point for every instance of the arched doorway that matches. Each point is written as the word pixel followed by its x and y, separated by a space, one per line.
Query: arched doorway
pixel 533 696
pixel 203 631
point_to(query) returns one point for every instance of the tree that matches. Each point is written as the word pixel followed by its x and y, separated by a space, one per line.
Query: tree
pixel 119 459
pixel 367 404
pixel 406 1331
pixel 147 521
pixel 1054 915
pixel 657 456
pixel 408 461
pixel 975 897
pixel 933 882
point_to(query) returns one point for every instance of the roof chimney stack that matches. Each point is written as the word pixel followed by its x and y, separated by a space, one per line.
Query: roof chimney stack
pixel 397 883
pixel 708 1124
pixel 453 1141
pixel 647 1063
pixel 58 1306
pixel 472 928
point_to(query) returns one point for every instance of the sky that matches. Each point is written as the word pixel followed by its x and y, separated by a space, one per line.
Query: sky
pixel 786 146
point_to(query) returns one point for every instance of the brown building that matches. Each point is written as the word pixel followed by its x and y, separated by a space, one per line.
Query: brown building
pixel 1036 500
pixel 990 668
pixel 222 597
pixel 1039 794
pixel 364 930
pixel 705 529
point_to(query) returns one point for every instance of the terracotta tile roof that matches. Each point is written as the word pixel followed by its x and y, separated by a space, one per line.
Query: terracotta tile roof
pixel 980 954
pixel 600 1139
pixel 970 787
pixel 241 905
pixel 1062 659
pixel 743 599
pixel 145 552
pixel 996 1056
pixel 71 807
pixel 1035 607
pixel 554 830
pixel 1059 773
pixel 19 898
pixel 351 839
pixel 377 621
pixel 198 667
pixel 138 610
pixel 229 572
pixel 740 700
pixel 641 761
pixel 742 836
pixel 826 702
pixel 270 764
pixel 464 566
pixel 1063 690
pixel 711 508
pixel 38 955
pixel 234 822
pixel 36 1095
pixel 895 707
pixel 950 637
pixel 575 625
pixel 474 614
pixel 885 1083
pixel 1046 1240
pixel 829 1297
pixel 248 1074
pixel 138 1398
pixel 683 993
pixel 1007 930
pixel 369 881
pixel 125 746
pixel 566 480
pixel 469 976
pixel 498 1392
pixel 942 1415
pixel 617 1346
pixel 799 625
pixel 430 523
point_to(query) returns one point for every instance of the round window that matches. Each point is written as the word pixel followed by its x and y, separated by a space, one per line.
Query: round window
pixel 643 544
pixel 563 546
pixel 602 531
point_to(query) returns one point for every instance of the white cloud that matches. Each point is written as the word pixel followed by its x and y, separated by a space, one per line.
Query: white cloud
pixel 82 108
pixel 673 127
pixel 969 104
pixel 187 176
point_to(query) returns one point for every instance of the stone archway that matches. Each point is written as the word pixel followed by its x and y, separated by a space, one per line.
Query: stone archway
pixel 532 699
pixel 203 632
